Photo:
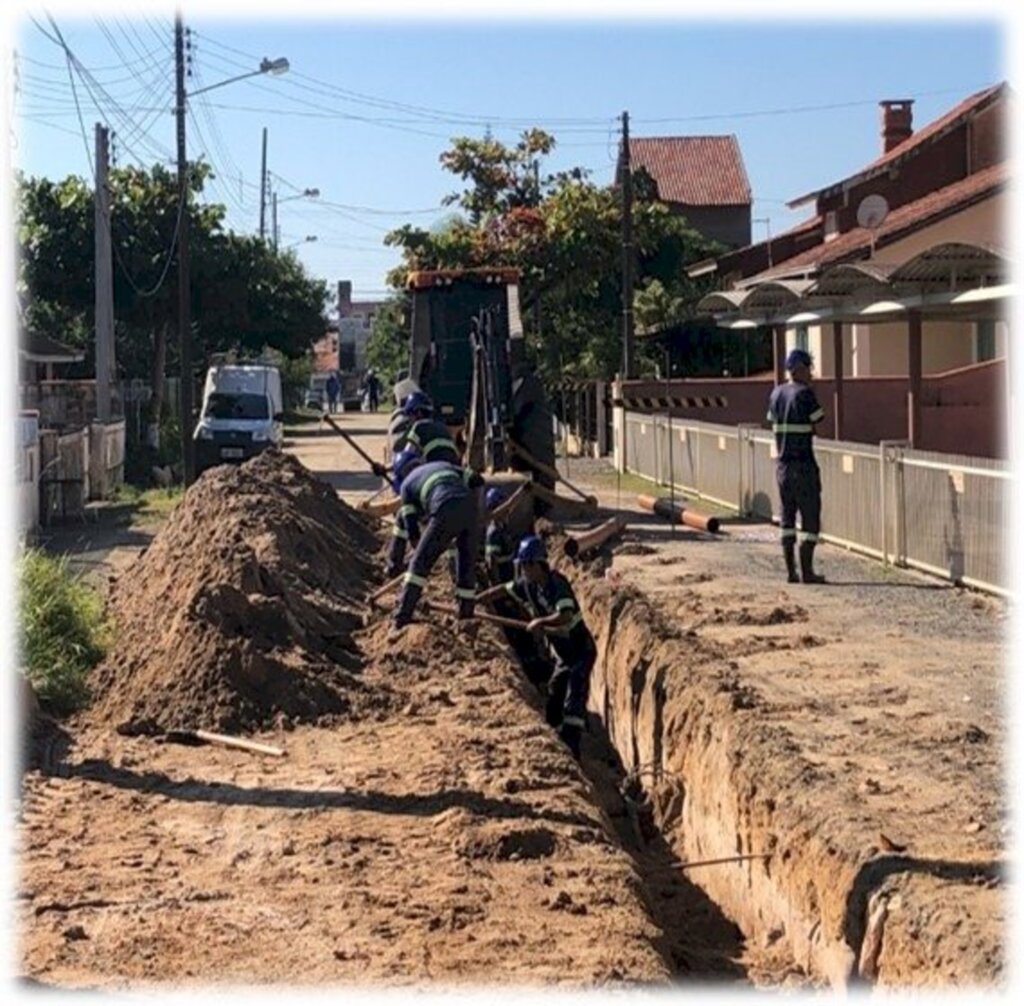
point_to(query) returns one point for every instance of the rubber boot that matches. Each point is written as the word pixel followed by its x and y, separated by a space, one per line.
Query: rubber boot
pixel 466 608
pixel 789 551
pixel 807 563
pixel 411 593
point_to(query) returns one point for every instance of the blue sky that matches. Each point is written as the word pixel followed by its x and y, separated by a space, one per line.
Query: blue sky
pixel 697 77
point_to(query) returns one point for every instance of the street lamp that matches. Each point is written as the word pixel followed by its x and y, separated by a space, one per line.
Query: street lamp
pixel 295 244
pixel 271 66
pixel 304 194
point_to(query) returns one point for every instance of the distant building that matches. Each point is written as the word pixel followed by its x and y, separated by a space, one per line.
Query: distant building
pixel 701 178
pixel 355 322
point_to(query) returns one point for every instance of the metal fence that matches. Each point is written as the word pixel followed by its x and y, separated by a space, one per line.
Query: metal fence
pixel 941 513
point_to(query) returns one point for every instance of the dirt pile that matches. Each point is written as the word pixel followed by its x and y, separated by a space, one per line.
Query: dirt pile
pixel 241 613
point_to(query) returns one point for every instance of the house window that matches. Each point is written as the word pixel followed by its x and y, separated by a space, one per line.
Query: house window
pixel 801 337
pixel 984 340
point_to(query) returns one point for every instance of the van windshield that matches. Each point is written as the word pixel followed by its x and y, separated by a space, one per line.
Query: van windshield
pixel 221 405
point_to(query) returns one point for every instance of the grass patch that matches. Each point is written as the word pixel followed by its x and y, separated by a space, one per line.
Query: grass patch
pixel 62 628
pixel 149 506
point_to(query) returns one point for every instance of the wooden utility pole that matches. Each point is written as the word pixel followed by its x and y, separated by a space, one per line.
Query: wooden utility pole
pixel 104 280
pixel 627 254
pixel 273 224
pixel 184 284
pixel 263 188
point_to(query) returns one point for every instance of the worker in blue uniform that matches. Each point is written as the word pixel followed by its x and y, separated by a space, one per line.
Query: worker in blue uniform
pixel 443 497
pixel 554 611
pixel 793 411
pixel 499 553
pixel 428 435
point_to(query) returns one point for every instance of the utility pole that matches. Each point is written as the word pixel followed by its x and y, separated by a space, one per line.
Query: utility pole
pixel 627 254
pixel 273 224
pixel 536 302
pixel 263 188
pixel 184 284
pixel 104 280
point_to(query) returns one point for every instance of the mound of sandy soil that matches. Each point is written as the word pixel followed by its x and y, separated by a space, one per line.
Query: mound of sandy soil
pixel 241 612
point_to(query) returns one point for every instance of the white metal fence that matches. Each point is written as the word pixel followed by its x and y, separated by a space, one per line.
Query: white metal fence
pixel 942 513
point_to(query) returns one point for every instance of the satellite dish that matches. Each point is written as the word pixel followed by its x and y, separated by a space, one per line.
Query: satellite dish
pixel 872 211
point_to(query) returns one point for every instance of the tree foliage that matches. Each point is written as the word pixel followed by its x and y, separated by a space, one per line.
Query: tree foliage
pixel 387 348
pixel 244 296
pixel 563 233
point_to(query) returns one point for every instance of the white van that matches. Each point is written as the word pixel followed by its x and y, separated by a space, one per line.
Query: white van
pixel 242 414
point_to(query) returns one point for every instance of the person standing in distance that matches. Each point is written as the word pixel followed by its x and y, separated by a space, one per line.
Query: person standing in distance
pixel 793 411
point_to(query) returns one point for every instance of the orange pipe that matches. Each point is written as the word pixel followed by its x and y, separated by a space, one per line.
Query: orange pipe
pixel 584 541
pixel 676 513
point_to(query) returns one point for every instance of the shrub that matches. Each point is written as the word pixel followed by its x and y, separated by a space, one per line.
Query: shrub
pixel 62 629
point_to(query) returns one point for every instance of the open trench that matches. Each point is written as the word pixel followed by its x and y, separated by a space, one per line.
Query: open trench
pixel 690 772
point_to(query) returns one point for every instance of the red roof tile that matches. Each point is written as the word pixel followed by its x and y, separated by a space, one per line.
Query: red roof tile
pixel 694 170
pixel 906 219
pixel 933 130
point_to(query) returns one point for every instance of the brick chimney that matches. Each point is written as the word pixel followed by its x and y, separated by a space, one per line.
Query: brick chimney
pixel 897 122
pixel 344 298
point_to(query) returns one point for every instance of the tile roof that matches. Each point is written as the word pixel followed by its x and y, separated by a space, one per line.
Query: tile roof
pixel 932 131
pixel 904 220
pixel 694 170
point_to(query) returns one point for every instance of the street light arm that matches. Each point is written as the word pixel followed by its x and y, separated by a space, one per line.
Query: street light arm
pixel 274 66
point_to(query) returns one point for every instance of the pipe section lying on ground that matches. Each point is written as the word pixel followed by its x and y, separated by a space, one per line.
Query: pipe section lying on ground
pixel 583 541
pixel 678 514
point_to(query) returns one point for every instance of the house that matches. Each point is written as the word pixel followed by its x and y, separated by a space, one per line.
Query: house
pixel 701 178
pixel 355 322
pixel 900 272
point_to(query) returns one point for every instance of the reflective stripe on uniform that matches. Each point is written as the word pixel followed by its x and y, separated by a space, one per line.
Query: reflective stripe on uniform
pixel 399 532
pixel 418 581
pixel 407 510
pixel 792 428
pixel 434 480
pixel 566 602
pixel 466 593
pixel 511 587
pixel 573 721
pixel 808 536
pixel 788 532
pixel 492 549
pixel 817 415
pixel 439 442
pixel 770 417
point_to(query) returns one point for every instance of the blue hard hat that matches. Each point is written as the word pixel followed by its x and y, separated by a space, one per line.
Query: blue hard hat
pixel 531 549
pixel 797 357
pixel 417 402
pixel 493 497
pixel 405 461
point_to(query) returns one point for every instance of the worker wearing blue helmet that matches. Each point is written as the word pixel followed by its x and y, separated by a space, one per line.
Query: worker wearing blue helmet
pixel 443 497
pixel 554 611
pixel 793 411
pixel 429 435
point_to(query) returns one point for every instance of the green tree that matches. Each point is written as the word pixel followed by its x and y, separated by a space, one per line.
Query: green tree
pixel 563 233
pixel 244 295
pixel 387 349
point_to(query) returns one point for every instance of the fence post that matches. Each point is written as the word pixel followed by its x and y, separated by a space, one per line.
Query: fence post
pixel 618 425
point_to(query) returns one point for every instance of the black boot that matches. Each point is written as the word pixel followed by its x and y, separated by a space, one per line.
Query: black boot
pixel 571 736
pixel 807 563
pixel 411 593
pixel 789 551
pixel 466 608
